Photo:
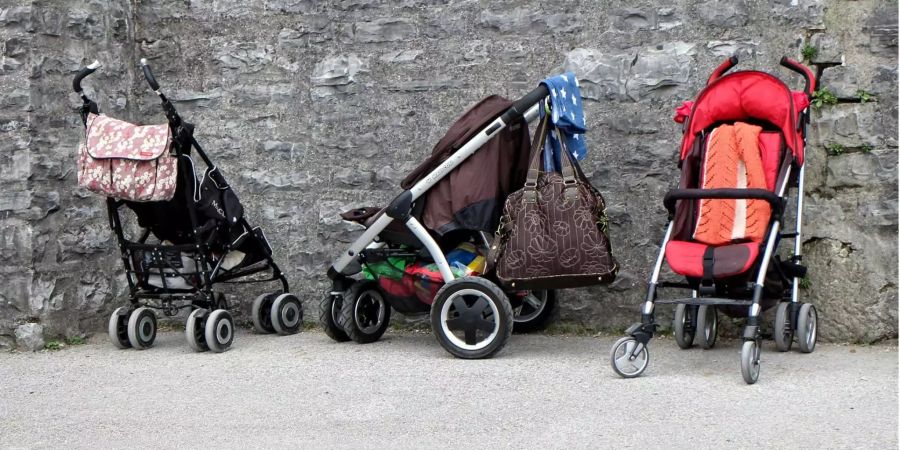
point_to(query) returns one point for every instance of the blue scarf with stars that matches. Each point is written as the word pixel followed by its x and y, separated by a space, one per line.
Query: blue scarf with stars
pixel 567 115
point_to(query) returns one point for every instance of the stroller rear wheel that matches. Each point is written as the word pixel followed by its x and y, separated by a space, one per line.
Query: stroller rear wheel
pixel 261 313
pixel 118 327
pixel 471 318
pixel 534 312
pixel 684 325
pixel 329 312
pixel 219 330
pixel 286 314
pixel 707 326
pixel 142 328
pixel 365 314
pixel 784 330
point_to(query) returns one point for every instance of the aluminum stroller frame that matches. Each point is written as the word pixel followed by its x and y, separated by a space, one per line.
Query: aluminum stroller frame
pixel 210 325
pixel 630 357
pixel 464 303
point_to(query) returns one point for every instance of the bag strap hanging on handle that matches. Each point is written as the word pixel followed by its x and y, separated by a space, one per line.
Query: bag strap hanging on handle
pixel 534 168
pixel 569 173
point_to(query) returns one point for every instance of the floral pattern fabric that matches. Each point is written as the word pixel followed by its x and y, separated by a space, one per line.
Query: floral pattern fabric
pixel 126 161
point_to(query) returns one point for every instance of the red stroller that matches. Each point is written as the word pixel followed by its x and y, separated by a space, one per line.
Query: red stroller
pixel 741 152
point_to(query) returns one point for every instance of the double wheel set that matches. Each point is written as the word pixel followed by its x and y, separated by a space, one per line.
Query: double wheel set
pixel 207 329
pixel 471 317
pixel 699 325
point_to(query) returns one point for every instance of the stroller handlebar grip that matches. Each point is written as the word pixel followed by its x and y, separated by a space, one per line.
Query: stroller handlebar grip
pixel 91 68
pixel 148 74
pixel 724 67
pixel 522 105
pixel 806 72
pixel 722 193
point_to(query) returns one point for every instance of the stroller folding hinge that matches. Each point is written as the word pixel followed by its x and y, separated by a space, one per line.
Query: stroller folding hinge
pixel 400 207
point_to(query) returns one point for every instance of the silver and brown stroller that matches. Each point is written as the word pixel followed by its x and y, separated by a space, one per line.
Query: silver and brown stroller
pixel 193 232
pixel 742 151
pixel 425 252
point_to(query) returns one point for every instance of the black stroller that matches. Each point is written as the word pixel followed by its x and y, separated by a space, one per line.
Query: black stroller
pixel 188 244
pixel 471 316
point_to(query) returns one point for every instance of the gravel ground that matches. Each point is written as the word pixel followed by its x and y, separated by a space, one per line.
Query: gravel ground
pixel 405 391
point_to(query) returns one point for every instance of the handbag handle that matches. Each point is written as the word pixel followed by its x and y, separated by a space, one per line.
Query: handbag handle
pixel 537 149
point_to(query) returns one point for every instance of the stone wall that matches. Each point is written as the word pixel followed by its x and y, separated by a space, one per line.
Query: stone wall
pixel 311 108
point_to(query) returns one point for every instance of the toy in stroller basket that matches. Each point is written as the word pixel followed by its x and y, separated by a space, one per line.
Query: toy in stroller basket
pixel 742 150
pixel 194 233
pixel 408 261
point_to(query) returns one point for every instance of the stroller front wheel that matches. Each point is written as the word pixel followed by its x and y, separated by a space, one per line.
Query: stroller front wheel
pixel 471 318
pixel 261 313
pixel 750 361
pixel 364 314
pixel 219 330
pixel 684 325
pixel 286 314
pixel 142 328
pixel 194 330
pixel 118 327
pixel 629 358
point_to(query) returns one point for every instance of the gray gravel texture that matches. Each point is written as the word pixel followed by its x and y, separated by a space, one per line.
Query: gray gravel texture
pixel 404 391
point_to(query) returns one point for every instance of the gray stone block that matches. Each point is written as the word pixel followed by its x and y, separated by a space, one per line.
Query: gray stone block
pixel 30 337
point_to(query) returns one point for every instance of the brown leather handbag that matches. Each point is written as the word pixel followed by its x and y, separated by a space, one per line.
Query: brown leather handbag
pixel 553 233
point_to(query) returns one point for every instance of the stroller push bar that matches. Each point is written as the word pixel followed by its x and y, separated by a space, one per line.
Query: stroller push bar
pixel 76 83
pixel 802 70
pixel 148 74
pixel 525 108
pixel 724 67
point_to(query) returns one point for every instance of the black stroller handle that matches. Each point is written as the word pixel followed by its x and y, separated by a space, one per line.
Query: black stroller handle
pixel 148 74
pixel 724 67
pixel 522 105
pixel 722 193
pixel 76 83
pixel 802 70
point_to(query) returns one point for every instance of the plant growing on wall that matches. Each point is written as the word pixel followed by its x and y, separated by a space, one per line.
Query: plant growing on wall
pixel 822 97
pixel 809 52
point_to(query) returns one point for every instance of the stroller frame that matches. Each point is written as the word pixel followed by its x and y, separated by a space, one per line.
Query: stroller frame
pixel 199 296
pixel 401 209
pixel 639 334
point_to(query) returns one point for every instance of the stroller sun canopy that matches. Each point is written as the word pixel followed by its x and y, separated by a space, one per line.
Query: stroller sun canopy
pixel 748 95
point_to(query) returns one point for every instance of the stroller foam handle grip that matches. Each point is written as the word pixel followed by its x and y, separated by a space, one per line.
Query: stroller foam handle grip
pixel 806 72
pixel 76 83
pixel 520 106
pixel 724 67
pixel 148 74
pixel 724 193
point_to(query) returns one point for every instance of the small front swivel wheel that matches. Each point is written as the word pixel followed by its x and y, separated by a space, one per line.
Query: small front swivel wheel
pixel 629 357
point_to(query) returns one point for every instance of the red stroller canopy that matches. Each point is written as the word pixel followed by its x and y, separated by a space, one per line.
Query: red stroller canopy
pixel 747 95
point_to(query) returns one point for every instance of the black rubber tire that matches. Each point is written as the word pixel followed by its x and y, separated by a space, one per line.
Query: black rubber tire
pixel 219 330
pixel 683 325
pixel 195 330
pixel 750 361
pixel 488 290
pixel 539 321
pixel 286 314
pixel 707 316
pixel 142 328
pixel 118 327
pixel 329 311
pixel 260 313
pixel 783 333
pixel 349 318
pixel 807 328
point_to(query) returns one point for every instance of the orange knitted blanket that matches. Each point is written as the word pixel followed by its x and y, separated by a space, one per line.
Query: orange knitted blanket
pixel 733 161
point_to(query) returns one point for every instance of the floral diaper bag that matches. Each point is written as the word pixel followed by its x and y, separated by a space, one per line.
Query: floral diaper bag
pixel 126 161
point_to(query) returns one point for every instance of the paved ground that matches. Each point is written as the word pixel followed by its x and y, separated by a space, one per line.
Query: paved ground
pixel 405 391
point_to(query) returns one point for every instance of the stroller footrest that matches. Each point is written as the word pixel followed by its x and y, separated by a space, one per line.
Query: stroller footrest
pixel 705 301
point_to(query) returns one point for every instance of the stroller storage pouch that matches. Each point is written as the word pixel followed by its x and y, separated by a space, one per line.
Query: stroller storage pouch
pixel 126 161
pixel 553 231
